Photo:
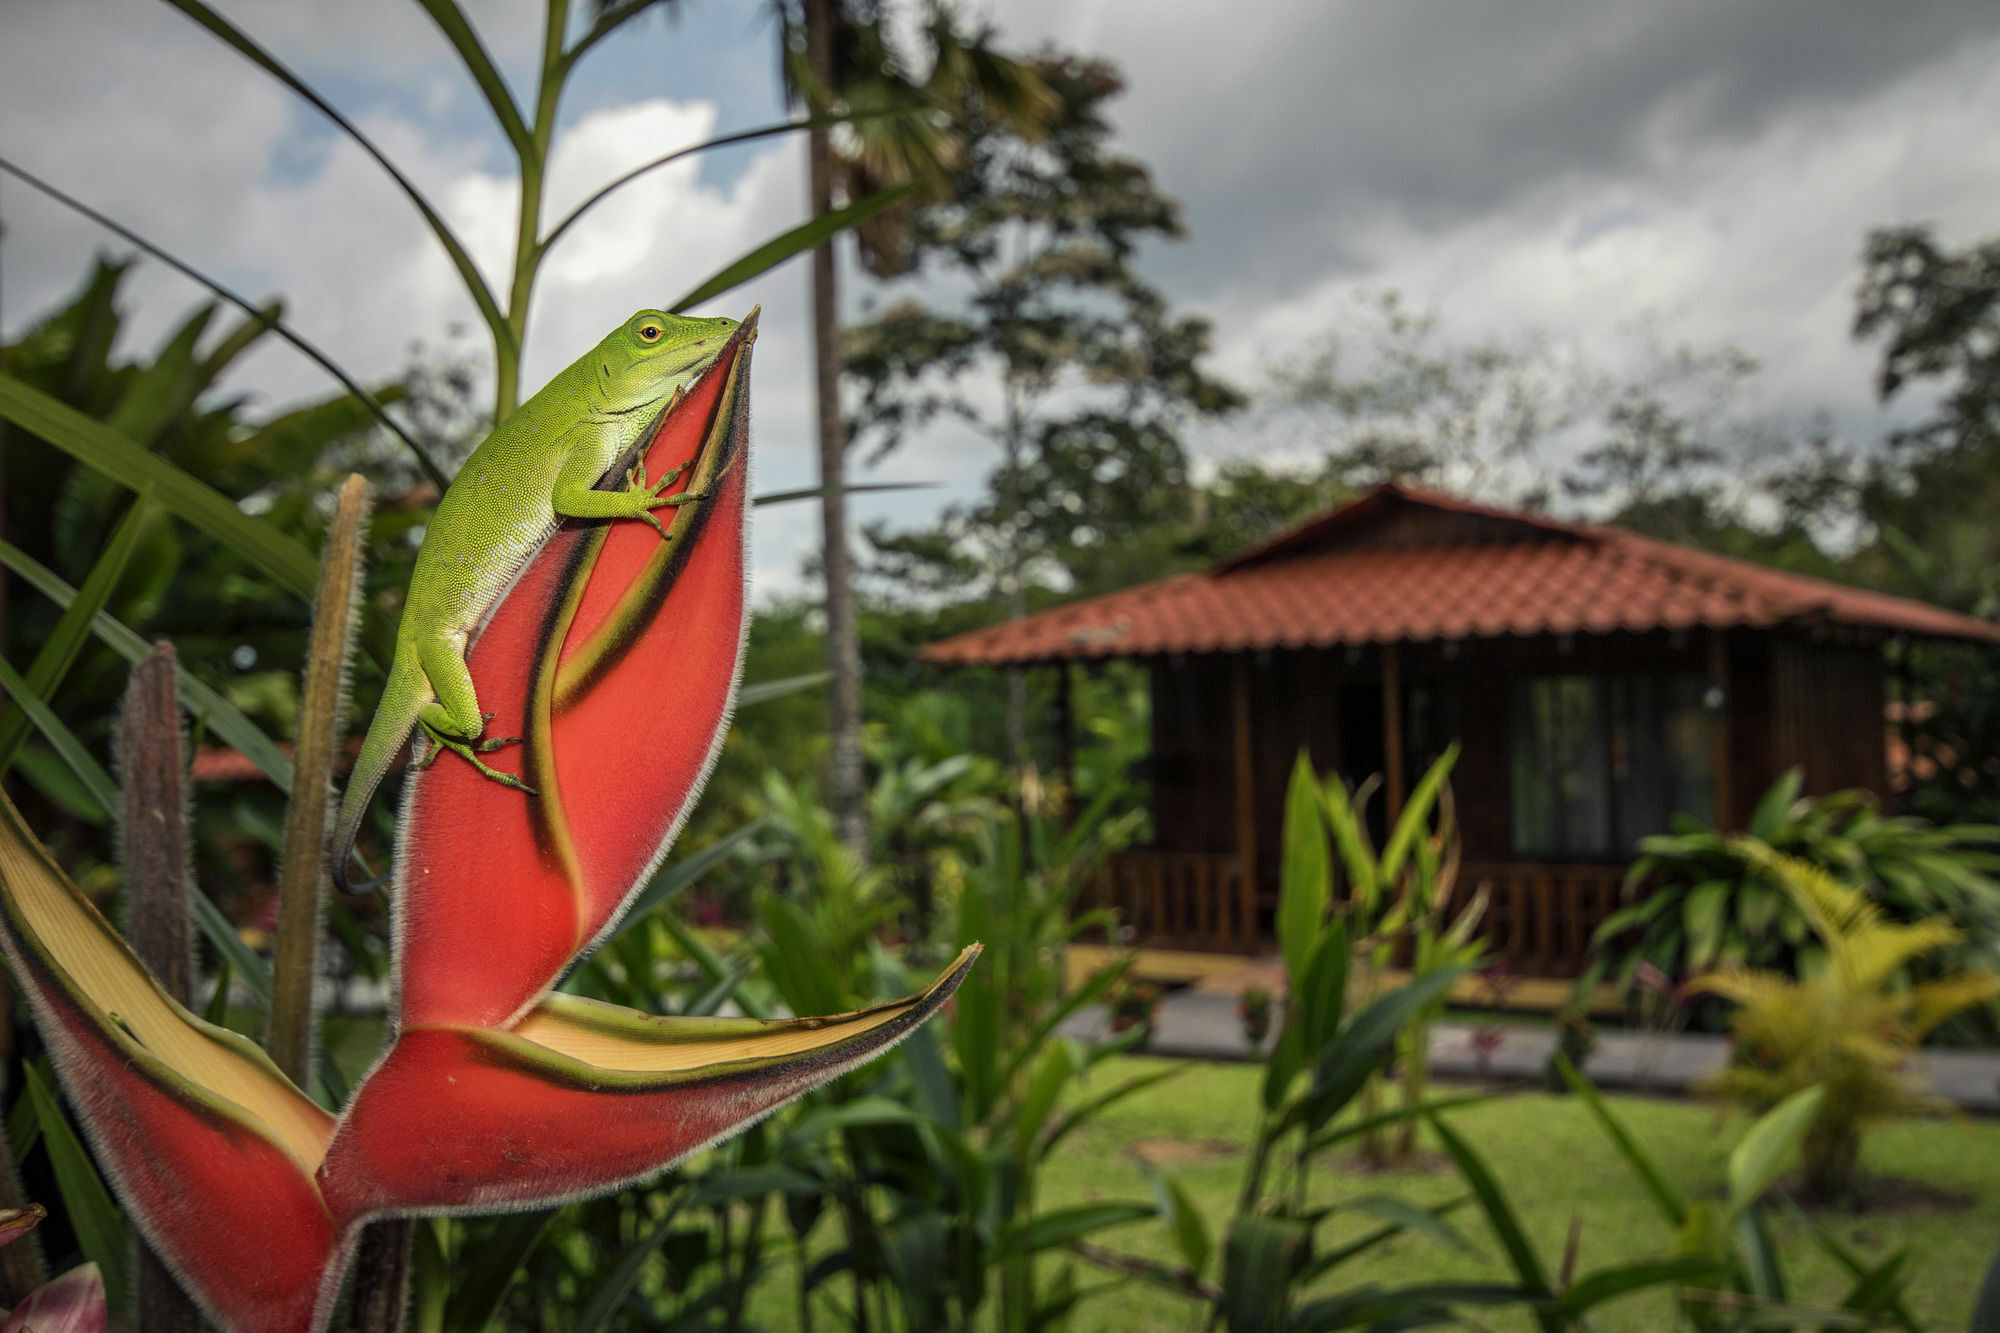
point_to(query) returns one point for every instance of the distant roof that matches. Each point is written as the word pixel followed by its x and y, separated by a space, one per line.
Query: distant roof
pixel 1408 564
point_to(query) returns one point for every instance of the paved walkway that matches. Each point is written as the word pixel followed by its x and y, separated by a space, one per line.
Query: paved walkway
pixel 1202 1024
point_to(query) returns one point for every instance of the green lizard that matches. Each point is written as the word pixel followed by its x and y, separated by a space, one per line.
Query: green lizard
pixel 539 466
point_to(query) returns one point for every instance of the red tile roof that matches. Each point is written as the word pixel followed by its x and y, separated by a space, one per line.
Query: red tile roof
pixel 1406 564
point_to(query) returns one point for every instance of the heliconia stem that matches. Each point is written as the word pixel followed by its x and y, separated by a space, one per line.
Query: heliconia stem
pixel 381 1277
pixel 322 704
pixel 152 825
pixel 153 847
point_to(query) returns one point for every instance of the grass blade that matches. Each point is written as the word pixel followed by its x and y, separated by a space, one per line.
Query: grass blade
pixel 806 236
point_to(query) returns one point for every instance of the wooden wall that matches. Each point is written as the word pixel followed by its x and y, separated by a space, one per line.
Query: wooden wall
pixel 1789 699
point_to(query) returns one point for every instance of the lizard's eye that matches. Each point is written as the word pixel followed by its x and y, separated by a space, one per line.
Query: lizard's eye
pixel 649 333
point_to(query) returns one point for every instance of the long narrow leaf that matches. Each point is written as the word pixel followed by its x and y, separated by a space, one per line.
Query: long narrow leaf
pixel 245 961
pixel 225 719
pixel 1353 1129
pixel 1756 1161
pixel 806 236
pixel 617 1284
pixel 58 652
pixel 264 317
pixel 1611 1283
pixel 1063 1225
pixel 468 272
pixel 100 1228
pixel 815 492
pixel 1500 1215
pixel 97 446
pixel 711 965
pixel 764 691
pixel 1986 1311
pixel 1366 1043
pixel 1672 1205
pixel 1305 881
pixel 60 738
pixel 472 54
pixel 255 973
pixel 482 1276
pixel 1410 825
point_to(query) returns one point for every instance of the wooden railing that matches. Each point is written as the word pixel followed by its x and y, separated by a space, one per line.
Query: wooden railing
pixel 1541 917
pixel 1176 900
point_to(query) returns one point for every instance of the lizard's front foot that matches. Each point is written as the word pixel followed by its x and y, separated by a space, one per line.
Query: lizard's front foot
pixel 470 751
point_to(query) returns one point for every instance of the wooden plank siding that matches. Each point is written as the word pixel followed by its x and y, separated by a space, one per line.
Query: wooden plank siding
pixel 1789 696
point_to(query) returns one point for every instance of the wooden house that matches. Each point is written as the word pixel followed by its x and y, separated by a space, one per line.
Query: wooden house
pixel 1599 682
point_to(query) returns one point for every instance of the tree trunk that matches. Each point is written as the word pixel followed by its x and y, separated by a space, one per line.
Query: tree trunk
pixel 1017 585
pixel 843 644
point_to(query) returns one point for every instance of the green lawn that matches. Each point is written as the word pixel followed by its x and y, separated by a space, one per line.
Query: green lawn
pixel 1555 1164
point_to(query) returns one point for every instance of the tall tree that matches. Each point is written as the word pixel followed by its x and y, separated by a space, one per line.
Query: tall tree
pixel 1928 501
pixel 839 60
pixel 1059 354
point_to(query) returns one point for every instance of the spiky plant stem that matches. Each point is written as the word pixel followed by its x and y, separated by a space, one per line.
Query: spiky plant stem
pixel 302 878
pixel 153 848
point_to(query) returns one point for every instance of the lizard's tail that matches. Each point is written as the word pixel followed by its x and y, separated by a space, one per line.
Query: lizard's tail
pixel 406 694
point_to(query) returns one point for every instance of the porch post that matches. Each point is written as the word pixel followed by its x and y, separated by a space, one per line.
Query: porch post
pixel 1246 800
pixel 1392 733
pixel 1718 729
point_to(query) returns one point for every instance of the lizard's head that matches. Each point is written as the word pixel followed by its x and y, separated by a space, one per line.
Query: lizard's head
pixel 653 353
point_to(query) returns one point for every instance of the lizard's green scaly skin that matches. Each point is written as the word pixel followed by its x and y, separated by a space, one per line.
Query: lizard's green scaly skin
pixel 539 466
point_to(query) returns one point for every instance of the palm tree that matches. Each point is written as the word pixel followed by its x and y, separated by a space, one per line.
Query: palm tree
pixel 838 62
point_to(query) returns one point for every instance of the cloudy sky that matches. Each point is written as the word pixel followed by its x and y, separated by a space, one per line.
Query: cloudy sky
pixel 1707 167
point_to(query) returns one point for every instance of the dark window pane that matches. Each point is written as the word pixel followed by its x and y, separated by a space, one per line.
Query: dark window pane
pixel 1560 783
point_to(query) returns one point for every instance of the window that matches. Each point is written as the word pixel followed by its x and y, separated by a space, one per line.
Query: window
pixel 1600 762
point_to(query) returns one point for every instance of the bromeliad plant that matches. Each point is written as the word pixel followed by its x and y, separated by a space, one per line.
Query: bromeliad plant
pixel 615 655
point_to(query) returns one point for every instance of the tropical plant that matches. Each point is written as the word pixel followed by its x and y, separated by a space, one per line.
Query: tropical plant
pixel 1848 1028
pixel 1325 1056
pixel 1703 898
pixel 485 1058
pixel 1398 907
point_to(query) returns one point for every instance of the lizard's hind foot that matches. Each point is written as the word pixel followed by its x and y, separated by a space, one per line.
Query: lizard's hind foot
pixel 470 751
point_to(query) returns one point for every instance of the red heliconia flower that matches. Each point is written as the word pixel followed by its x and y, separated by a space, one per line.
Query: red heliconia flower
pixel 615 657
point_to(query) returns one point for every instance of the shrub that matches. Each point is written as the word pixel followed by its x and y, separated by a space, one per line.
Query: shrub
pixel 1702 898
pixel 1847 1029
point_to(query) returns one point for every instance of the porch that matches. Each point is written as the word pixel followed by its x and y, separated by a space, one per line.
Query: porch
pixel 1540 917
